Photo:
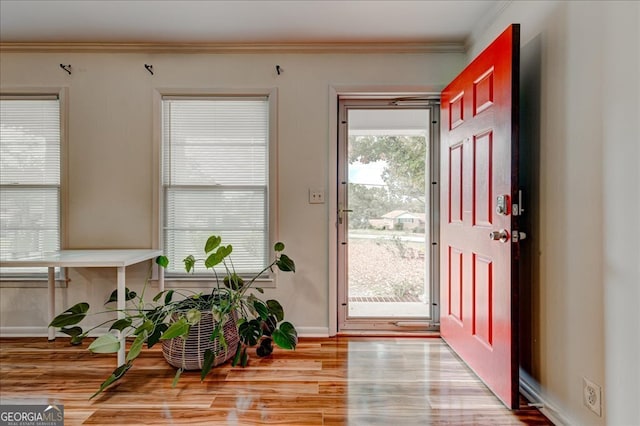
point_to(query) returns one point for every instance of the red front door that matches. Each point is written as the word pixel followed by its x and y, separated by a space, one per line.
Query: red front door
pixel 478 285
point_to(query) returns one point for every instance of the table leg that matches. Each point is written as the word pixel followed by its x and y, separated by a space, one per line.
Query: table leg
pixel 51 287
pixel 160 278
pixel 121 306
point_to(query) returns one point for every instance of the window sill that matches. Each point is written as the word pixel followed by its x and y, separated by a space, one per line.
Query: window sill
pixel 197 282
pixel 16 282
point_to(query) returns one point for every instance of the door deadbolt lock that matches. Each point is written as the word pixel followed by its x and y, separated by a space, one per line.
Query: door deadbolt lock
pixel 502 205
pixel 501 235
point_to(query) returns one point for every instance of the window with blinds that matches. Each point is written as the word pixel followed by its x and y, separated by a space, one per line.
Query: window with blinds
pixel 216 179
pixel 29 178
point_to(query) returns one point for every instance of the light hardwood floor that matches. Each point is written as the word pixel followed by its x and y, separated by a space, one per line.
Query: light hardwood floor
pixel 333 381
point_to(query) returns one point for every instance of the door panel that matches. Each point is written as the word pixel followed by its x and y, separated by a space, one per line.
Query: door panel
pixel 478 274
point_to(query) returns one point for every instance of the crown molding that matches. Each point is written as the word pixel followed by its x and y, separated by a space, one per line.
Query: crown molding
pixel 485 22
pixel 350 48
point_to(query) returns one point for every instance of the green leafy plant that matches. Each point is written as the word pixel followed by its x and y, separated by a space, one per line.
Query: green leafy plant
pixel 172 313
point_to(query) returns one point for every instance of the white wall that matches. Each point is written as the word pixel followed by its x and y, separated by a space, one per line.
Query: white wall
pixel 110 154
pixel 621 181
pixel 586 316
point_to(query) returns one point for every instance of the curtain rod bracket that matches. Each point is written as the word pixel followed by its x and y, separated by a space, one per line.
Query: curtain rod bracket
pixel 67 68
pixel 279 69
pixel 149 68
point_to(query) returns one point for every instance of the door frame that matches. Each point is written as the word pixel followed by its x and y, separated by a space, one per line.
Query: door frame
pixel 430 94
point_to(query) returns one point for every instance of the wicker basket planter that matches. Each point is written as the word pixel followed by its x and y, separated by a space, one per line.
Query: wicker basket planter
pixel 189 354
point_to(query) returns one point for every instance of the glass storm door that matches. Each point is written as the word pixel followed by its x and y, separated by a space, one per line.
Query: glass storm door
pixel 385 226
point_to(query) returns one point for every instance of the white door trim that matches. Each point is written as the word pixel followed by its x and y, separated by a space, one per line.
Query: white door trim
pixel 332 200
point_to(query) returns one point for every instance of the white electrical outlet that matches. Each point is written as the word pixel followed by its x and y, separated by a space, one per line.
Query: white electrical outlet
pixel 592 396
pixel 316 196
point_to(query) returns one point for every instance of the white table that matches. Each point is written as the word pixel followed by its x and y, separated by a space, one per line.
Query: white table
pixel 108 258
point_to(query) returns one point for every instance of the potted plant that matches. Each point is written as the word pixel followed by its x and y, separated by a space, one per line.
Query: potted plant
pixel 233 317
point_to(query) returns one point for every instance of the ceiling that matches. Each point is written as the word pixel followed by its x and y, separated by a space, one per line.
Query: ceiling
pixel 239 21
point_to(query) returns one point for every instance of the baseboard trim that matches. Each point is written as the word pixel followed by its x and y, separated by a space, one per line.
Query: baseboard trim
pixel 313 331
pixel 42 332
pixel 530 390
pixel 23 332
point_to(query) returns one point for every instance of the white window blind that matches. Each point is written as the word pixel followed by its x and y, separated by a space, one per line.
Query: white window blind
pixel 215 179
pixel 29 178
